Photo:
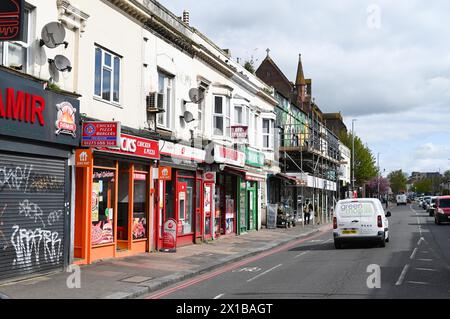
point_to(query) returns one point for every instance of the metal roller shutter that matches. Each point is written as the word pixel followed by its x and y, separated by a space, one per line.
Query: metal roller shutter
pixel 32 214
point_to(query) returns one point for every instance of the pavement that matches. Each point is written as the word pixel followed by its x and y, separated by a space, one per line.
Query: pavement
pixel 137 276
pixel 415 264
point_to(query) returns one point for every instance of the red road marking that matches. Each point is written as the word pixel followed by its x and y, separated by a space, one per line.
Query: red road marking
pixel 224 269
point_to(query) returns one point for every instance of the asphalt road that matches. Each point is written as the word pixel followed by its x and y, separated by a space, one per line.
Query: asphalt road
pixel 415 264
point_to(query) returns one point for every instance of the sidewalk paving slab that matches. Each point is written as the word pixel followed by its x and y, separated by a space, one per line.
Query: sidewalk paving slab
pixel 125 278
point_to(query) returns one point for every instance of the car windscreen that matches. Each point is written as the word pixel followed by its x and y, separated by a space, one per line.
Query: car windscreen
pixel 444 203
pixel 356 209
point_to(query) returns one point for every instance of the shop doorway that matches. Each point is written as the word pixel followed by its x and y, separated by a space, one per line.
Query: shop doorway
pixel 208 210
pixel 252 206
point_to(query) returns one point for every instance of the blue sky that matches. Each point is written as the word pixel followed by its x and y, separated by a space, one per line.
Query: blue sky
pixel 385 63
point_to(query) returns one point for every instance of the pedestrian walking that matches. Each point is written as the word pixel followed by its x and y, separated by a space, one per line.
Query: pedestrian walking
pixel 307 211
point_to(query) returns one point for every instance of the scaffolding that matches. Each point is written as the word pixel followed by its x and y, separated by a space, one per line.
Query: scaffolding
pixel 310 148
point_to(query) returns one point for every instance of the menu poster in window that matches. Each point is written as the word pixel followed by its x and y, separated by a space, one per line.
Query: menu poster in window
pixel 207 207
pixel 139 228
pixel 242 208
pixel 95 201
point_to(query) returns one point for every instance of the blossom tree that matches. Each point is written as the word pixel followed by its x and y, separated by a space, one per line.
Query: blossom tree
pixel 384 185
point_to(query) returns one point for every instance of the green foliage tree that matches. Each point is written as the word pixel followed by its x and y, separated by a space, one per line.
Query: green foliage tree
pixel 365 163
pixel 398 181
pixel 424 186
pixel 250 66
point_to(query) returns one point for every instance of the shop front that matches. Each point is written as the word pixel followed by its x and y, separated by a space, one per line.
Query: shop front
pixel 38 131
pixel 229 167
pixel 182 194
pixel 114 200
pixel 249 194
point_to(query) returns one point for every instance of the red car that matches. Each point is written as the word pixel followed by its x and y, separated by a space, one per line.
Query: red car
pixel 442 210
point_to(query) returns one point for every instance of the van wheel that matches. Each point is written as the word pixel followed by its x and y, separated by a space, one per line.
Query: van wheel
pixel 337 245
pixel 383 243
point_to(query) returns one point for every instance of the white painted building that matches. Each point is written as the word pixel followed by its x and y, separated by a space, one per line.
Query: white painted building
pixel 125 54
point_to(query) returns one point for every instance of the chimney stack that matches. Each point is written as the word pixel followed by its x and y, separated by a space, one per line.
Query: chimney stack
pixel 186 17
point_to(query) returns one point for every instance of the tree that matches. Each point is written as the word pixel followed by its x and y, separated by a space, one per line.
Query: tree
pixel 384 185
pixel 250 66
pixel 365 163
pixel 398 181
pixel 424 186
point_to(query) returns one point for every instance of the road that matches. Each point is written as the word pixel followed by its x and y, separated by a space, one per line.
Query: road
pixel 415 264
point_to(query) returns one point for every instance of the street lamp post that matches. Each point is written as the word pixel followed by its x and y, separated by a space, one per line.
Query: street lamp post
pixel 378 179
pixel 353 155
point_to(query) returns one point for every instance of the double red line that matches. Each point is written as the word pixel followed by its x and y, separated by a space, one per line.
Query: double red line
pixel 232 266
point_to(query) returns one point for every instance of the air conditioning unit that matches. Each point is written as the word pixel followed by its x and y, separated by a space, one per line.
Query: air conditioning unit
pixel 155 103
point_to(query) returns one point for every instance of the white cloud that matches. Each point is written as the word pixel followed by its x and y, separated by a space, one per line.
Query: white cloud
pixel 395 79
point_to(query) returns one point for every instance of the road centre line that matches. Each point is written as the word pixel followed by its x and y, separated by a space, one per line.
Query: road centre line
pixel 413 254
pixel 264 273
pixel 427 260
pixel 302 254
pixel 418 283
pixel 219 296
pixel 426 269
pixel 402 275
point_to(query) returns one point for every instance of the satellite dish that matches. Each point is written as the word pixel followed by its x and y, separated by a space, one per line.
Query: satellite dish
pixel 62 63
pixel 188 117
pixel 53 35
pixel 196 95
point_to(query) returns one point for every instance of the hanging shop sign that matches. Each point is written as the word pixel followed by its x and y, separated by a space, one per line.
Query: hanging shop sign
pixel 182 152
pixel 165 173
pixel 12 20
pixel 253 177
pixel 83 158
pixel 225 155
pixel 101 134
pixel 136 146
pixel 28 111
pixel 170 236
pixel 210 177
pixel 254 158
pixel 239 132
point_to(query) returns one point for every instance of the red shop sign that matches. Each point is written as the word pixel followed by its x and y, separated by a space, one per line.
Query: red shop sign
pixel 136 146
pixel 170 236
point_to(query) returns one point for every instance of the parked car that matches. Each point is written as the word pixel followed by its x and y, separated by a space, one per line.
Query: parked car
pixel 431 207
pixel 425 202
pixel 360 219
pixel 442 210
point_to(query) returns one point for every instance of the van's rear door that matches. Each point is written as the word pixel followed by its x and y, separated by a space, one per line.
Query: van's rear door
pixel 357 218
pixel 349 218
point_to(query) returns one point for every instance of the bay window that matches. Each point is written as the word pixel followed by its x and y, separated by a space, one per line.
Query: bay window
pixel 165 99
pixel 222 117
pixel 107 75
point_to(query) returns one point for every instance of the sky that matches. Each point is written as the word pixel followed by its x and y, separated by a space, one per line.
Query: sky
pixel 384 63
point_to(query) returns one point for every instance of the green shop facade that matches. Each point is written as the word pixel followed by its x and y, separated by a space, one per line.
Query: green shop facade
pixel 249 191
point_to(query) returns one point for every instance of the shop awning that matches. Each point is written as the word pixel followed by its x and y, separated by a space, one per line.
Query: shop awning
pixel 254 177
pixel 288 178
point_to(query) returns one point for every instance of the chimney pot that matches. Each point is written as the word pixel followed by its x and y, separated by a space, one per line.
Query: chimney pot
pixel 186 17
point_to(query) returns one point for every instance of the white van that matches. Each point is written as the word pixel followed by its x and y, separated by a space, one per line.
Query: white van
pixel 402 199
pixel 360 219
